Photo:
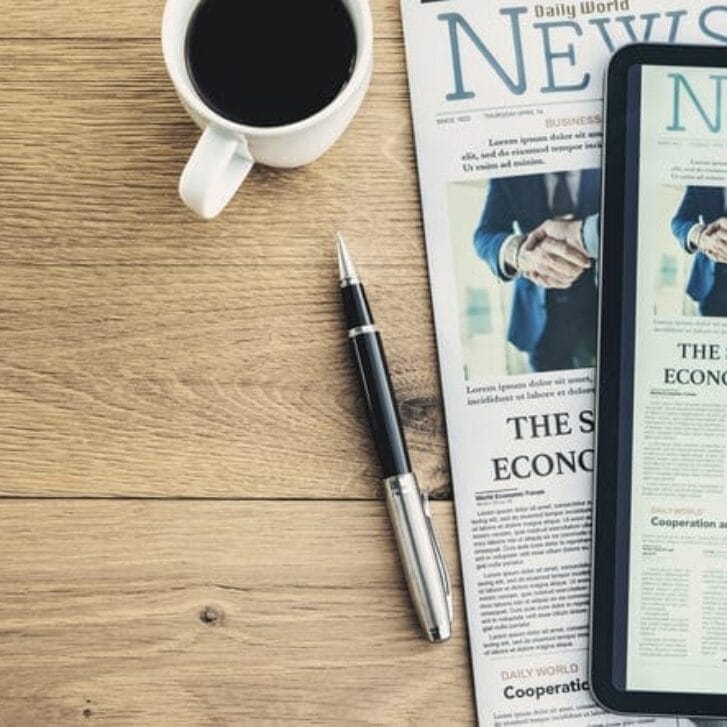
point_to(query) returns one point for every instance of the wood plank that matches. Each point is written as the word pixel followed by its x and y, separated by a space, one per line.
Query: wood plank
pixel 220 381
pixel 200 613
pixel 127 19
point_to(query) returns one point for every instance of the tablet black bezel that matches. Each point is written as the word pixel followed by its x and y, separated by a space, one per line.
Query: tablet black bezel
pixel 617 291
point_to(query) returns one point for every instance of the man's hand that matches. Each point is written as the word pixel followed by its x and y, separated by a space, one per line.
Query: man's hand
pixel 550 262
pixel 568 230
pixel 713 240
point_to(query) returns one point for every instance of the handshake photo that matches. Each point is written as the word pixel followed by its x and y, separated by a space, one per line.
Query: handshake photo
pixel 711 239
pixel 542 232
pixel 552 256
pixel 700 227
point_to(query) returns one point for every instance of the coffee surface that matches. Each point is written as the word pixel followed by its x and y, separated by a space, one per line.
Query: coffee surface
pixel 270 62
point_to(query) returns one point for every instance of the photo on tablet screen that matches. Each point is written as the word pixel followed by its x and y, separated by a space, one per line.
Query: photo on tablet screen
pixel 689 281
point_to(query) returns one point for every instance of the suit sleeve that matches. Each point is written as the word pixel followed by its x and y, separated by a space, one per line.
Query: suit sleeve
pixel 495 227
pixel 686 217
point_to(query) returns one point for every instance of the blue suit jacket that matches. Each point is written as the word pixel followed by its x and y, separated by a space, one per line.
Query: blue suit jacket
pixel 524 200
pixel 709 203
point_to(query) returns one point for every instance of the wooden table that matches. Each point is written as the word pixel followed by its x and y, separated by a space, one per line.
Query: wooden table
pixel 192 529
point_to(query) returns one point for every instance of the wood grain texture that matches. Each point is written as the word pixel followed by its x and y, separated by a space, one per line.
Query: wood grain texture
pixel 125 380
pixel 169 613
pixel 144 352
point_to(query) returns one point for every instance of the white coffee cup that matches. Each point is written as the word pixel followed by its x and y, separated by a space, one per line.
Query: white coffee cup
pixel 227 151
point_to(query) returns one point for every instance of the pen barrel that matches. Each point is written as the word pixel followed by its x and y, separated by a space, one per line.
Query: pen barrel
pixel 356 306
pixel 383 411
pixel 423 564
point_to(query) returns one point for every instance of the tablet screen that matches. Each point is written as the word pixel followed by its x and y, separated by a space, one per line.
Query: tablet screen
pixel 676 630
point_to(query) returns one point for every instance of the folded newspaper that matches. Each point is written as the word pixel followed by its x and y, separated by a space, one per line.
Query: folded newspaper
pixel 507 107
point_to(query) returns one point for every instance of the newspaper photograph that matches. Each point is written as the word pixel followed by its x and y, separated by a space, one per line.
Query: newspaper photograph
pixel 508 121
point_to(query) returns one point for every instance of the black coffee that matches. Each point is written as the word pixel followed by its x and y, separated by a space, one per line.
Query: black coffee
pixel 270 62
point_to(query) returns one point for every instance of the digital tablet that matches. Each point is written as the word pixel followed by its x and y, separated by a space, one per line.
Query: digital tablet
pixel 659 596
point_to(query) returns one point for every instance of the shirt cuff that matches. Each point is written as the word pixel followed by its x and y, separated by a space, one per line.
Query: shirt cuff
pixel 691 246
pixel 506 272
pixel 590 234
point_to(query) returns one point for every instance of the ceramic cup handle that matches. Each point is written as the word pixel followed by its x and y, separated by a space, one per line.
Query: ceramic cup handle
pixel 218 166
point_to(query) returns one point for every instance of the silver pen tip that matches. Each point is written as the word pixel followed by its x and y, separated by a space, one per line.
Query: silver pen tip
pixel 346 268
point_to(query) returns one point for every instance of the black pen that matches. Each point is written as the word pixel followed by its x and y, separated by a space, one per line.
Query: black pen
pixel 421 556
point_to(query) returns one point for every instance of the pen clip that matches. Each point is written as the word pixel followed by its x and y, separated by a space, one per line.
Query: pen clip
pixel 441 565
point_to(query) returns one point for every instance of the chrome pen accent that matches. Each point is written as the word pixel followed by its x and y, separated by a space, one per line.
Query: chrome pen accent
pixel 421 557
pixel 360 330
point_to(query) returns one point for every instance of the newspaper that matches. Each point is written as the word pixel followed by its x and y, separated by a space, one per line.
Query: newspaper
pixel 507 108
